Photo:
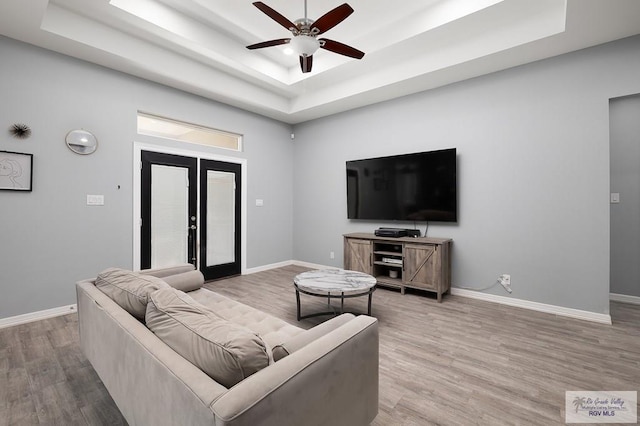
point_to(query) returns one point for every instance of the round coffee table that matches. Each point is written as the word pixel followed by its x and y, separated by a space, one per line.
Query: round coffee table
pixel 333 284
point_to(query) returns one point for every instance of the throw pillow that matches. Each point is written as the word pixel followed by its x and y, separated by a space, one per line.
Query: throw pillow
pixel 186 281
pixel 225 351
pixel 129 289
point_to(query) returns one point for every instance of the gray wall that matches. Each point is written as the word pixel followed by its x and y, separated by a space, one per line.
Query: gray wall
pixel 533 147
pixel 50 238
pixel 625 179
pixel 533 161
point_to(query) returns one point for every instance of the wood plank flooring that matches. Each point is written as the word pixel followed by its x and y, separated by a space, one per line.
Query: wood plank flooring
pixel 46 380
pixel 461 362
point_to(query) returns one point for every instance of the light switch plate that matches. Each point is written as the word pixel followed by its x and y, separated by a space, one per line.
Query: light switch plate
pixel 259 203
pixel 95 200
pixel 615 197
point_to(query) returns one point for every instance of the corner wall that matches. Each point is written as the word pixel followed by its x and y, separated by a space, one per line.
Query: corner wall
pixel 50 237
pixel 533 164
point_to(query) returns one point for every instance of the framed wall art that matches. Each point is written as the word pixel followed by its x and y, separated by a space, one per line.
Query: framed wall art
pixel 16 171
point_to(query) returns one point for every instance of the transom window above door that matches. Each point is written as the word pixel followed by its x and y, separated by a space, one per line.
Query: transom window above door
pixel 153 125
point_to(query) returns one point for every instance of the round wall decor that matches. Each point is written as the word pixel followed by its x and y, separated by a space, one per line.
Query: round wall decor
pixel 81 142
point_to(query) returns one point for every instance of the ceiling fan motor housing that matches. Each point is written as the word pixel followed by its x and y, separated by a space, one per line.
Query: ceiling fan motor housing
pixel 303 26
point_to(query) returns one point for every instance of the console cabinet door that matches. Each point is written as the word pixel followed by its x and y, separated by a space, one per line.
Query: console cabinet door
pixel 357 255
pixel 422 266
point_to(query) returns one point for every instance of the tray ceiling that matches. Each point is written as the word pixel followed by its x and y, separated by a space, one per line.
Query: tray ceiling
pixel 199 45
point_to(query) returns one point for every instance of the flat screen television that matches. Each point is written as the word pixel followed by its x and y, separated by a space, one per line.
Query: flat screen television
pixel 411 187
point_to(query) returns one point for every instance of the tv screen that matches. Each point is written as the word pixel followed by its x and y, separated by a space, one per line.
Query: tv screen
pixel 410 187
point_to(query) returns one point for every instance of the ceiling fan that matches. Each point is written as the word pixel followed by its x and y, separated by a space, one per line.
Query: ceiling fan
pixel 305 32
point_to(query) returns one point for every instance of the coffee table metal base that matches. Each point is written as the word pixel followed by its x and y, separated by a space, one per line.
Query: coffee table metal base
pixel 330 296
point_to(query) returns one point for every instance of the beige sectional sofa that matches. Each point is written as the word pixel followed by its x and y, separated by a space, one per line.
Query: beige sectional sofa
pixel 327 375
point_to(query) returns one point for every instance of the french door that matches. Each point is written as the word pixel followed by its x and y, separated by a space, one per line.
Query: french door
pixel 220 196
pixel 174 229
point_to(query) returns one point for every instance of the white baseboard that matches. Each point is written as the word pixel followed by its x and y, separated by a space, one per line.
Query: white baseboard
pixel 262 268
pixel 624 298
pixel 36 316
pixel 312 265
pixel 287 263
pixel 534 306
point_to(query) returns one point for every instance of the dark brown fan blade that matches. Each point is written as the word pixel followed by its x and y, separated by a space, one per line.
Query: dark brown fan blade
pixel 269 43
pixel 331 18
pixel 306 62
pixel 275 15
pixel 342 49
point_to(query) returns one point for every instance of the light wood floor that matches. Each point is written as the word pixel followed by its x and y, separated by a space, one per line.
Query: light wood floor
pixel 461 362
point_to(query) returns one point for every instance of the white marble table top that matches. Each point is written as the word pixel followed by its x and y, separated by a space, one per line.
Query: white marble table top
pixel 334 281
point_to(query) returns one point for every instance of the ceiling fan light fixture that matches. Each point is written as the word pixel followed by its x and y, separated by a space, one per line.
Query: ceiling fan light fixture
pixel 304 45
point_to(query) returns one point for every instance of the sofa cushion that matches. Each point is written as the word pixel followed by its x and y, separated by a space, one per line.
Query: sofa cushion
pixel 299 341
pixel 272 330
pixel 186 281
pixel 129 289
pixel 225 351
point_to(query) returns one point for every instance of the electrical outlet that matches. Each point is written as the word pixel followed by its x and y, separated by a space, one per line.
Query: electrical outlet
pixel 332 255
pixel 505 281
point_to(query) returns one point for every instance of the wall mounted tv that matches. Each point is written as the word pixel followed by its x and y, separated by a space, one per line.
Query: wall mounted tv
pixel 410 187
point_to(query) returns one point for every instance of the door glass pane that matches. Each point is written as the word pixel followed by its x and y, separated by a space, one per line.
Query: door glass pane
pixel 220 217
pixel 169 215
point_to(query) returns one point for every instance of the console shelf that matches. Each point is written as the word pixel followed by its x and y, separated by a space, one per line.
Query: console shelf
pixel 388 253
pixel 425 262
pixel 393 265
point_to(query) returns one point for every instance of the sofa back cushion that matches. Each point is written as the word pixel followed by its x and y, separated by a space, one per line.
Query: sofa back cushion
pixel 129 289
pixel 225 351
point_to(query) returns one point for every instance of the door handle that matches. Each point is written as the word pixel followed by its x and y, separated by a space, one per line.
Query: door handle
pixel 193 241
